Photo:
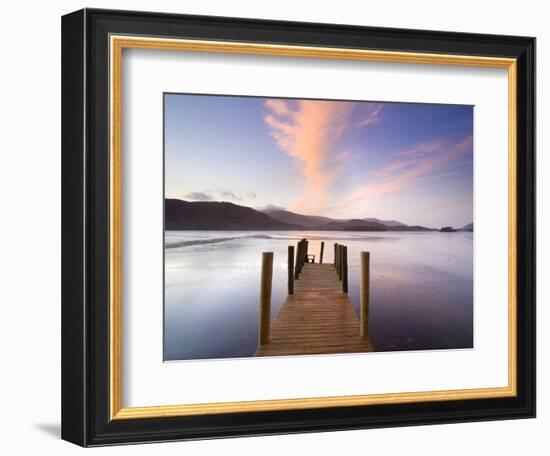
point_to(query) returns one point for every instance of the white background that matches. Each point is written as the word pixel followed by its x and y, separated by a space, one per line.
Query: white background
pixel 148 73
pixel 30 228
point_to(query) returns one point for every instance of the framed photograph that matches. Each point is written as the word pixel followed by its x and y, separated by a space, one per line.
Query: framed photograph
pixel 279 227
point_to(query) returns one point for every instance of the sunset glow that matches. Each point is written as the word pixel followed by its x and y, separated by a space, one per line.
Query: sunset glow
pixel 340 159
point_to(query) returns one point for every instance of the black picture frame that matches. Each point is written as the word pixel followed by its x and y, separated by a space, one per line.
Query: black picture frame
pixel 85 225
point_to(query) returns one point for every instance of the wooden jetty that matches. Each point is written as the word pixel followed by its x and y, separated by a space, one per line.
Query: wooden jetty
pixel 317 316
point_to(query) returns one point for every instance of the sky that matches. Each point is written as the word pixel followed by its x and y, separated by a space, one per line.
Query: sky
pixel 409 162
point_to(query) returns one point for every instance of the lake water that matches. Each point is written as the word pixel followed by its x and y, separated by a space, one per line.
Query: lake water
pixel 421 292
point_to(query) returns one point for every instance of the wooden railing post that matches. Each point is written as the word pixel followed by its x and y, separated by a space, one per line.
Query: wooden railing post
pixel 298 253
pixel 345 269
pixel 297 264
pixel 265 298
pixel 290 269
pixel 302 247
pixel 364 293
pixel 340 261
pixel 337 258
pixel 322 251
pixel 301 256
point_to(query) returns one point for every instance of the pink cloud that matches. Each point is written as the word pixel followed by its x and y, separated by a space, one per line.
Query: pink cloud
pixel 310 134
pixel 414 164
pixel 278 107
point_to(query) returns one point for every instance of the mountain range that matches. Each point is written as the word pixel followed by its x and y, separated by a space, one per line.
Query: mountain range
pixel 216 215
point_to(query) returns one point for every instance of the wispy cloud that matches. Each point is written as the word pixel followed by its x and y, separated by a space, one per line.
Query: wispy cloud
pixel 309 131
pixel 221 194
pixel 411 165
pixel 278 107
pixel 422 149
pixel 372 116
pixel 229 194
pixel 199 196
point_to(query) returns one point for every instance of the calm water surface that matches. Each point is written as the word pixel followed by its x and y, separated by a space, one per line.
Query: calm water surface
pixel 421 288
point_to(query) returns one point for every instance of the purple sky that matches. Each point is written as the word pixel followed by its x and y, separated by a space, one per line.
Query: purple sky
pixel 341 159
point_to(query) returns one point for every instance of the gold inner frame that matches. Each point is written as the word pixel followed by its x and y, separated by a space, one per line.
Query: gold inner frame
pixel 117 44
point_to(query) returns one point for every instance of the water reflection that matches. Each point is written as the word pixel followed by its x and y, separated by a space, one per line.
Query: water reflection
pixel 421 288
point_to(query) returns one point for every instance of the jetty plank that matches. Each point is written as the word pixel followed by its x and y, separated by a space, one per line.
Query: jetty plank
pixel 317 319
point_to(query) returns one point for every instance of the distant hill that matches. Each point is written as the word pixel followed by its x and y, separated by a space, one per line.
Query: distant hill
pixel 213 215
pixel 410 228
pixel 310 221
pixel 326 223
pixel 469 227
pixel 447 229
pixel 390 223
pixel 316 221
pixel 353 225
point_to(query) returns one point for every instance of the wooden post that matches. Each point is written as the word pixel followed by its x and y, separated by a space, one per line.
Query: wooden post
pixel 345 269
pixel 337 259
pixel 364 293
pixel 322 250
pixel 340 261
pixel 265 298
pixel 290 269
pixel 336 252
pixel 301 256
pixel 302 247
pixel 298 254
